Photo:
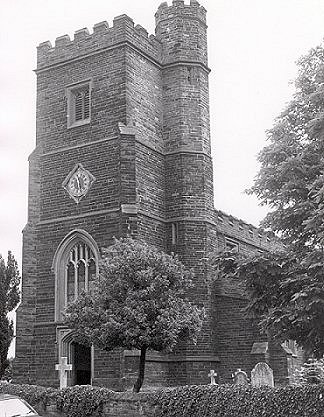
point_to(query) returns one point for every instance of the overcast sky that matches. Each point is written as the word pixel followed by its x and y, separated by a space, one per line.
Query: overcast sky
pixel 253 46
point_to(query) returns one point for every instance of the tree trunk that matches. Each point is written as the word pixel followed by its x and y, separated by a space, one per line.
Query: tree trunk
pixel 139 382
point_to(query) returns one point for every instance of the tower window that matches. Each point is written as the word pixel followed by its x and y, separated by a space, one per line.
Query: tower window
pixel 76 268
pixel 78 104
pixel 80 271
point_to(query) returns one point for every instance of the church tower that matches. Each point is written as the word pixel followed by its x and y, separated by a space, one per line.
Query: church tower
pixel 122 148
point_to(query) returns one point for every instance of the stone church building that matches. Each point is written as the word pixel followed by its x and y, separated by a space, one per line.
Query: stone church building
pixel 123 148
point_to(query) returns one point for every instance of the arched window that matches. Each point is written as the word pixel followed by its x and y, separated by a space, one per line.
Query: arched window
pixel 76 266
pixel 80 268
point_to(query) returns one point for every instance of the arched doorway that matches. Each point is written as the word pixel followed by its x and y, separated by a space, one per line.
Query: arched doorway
pixel 81 364
pixel 78 355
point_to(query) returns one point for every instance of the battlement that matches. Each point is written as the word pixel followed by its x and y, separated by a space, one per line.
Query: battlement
pixel 238 229
pixel 180 9
pixel 103 36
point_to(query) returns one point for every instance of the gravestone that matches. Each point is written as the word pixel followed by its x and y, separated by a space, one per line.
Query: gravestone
pixel 261 375
pixel 212 374
pixel 63 367
pixel 240 377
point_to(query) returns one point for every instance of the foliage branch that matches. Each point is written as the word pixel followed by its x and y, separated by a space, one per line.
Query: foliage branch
pixel 9 299
pixel 286 294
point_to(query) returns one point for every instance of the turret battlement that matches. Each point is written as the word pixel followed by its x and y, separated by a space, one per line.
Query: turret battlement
pixel 103 36
pixel 180 9
pixel 182 30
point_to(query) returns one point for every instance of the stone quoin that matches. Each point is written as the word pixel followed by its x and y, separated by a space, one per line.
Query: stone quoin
pixel 123 148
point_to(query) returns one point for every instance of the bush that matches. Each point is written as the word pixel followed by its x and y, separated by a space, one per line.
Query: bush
pixel 82 401
pixel 35 395
pixel 77 401
pixel 232 401
pixel 189 401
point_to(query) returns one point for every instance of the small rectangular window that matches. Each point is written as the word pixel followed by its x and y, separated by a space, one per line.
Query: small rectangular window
pixel 78 104
pixel 231 245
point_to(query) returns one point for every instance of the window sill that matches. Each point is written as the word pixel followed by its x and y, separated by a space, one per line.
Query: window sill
pixel 79 123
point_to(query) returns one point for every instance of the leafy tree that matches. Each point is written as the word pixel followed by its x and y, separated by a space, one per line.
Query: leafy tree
pixel 138 302
pixel 9 298
pixel 287 289
pixel 291 177
pixel 286 295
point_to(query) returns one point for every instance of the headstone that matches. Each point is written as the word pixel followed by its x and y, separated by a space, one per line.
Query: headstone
pixel 240 377
pixel 63 367
pixel 212 375
pixel 261 375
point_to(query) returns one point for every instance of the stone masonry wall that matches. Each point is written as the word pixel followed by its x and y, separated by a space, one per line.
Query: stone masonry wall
pixel 26 312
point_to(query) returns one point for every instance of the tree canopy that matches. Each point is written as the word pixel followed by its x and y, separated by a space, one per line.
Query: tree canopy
pixel 9 298
pixel 286 296
pixel 138 302
pixel 286 289
pixel 291 177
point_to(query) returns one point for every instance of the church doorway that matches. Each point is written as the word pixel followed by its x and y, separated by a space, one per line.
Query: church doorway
pixel 81 364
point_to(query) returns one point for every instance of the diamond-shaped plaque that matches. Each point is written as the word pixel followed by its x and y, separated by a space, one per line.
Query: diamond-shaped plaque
pixel 78 182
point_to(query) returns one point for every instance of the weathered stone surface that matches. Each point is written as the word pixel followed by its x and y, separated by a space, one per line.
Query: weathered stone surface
pixel 261 375
pixel 240 377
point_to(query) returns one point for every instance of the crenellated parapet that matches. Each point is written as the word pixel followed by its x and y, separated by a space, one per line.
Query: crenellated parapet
pixel 182 30
pixel 86 43
pixel 238 230
pixel 179 9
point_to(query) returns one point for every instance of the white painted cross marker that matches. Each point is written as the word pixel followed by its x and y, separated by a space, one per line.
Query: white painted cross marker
pixel 63 367
pixel 212 374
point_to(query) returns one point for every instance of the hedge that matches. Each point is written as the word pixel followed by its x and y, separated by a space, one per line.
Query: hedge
pixel 33 394
pixel 235 401
pixel 77 401
pixel 188 401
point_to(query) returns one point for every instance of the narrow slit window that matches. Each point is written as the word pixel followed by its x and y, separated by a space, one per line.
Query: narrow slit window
pixel 174 233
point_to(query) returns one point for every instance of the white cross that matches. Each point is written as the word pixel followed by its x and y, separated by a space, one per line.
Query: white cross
pixel 63 367
pixel 212 374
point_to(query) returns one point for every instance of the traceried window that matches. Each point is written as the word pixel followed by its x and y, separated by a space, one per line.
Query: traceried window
pixel 80 271
pixel 75 265
pixel 79 104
